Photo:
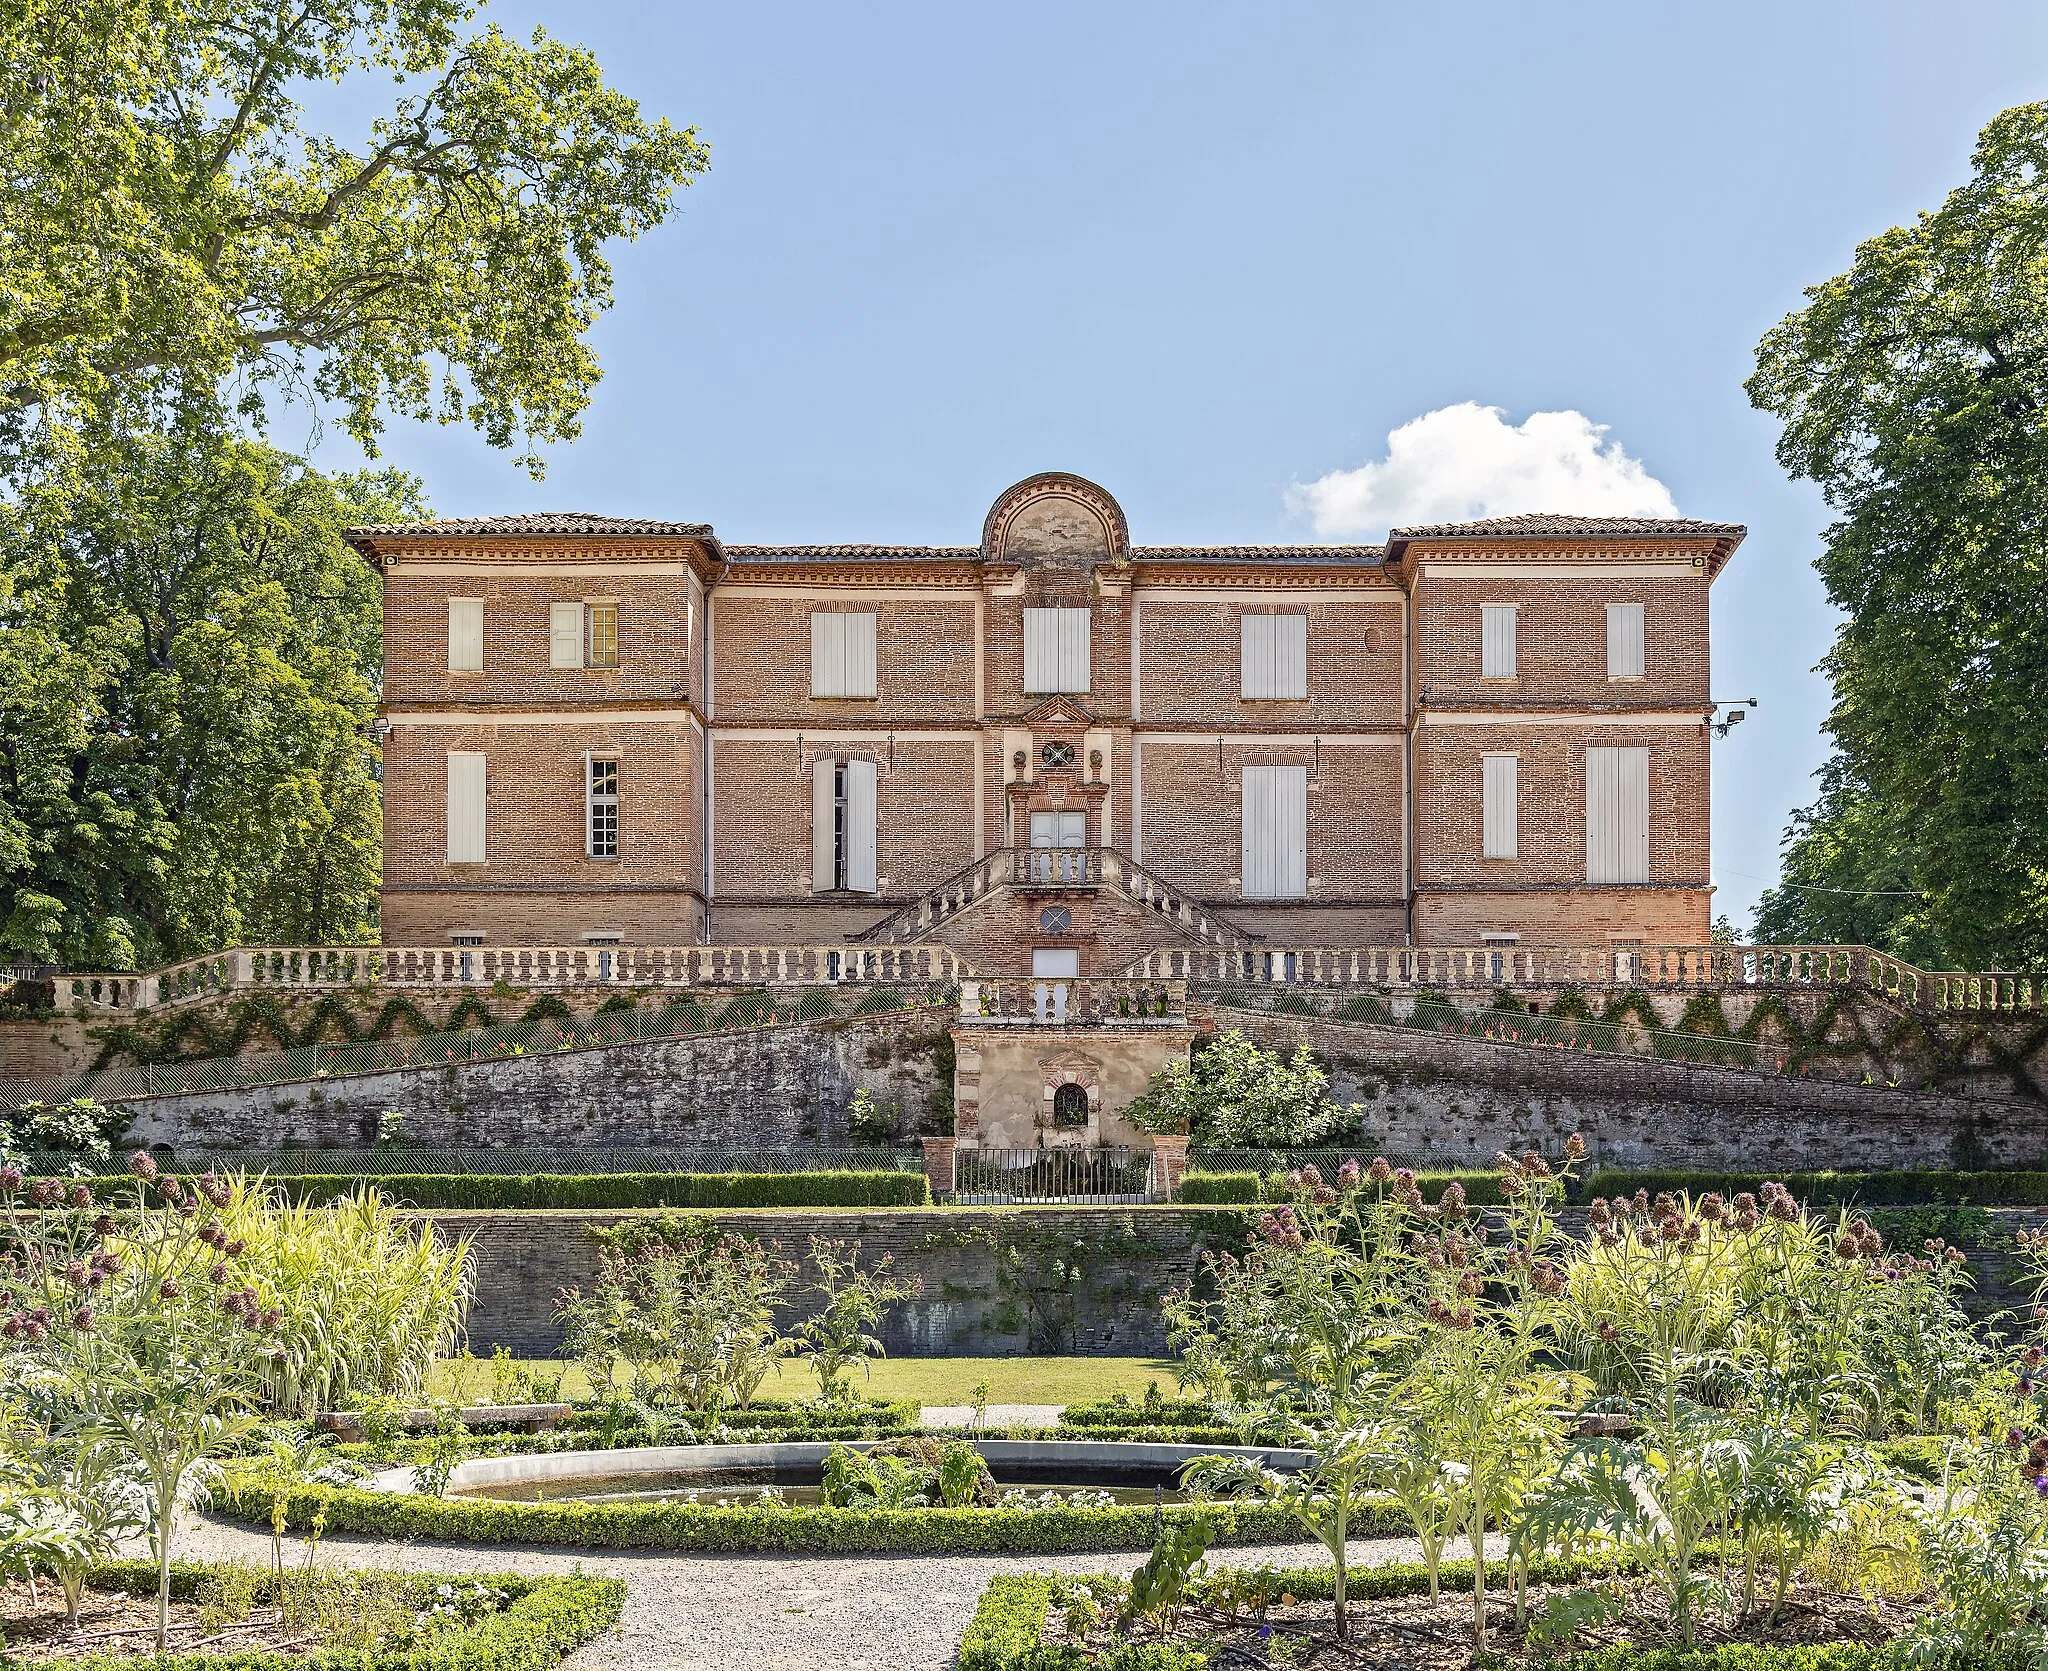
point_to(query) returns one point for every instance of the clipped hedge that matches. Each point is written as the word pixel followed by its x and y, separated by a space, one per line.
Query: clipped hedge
pixel 544 1620
pixel 770 1420
pixel 1007 1630
pixel 703 1191
pixel 749 1530
pixel 1831 1189
pixel 1231 1189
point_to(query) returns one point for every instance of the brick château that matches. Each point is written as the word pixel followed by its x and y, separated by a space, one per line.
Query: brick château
pixel 1053 750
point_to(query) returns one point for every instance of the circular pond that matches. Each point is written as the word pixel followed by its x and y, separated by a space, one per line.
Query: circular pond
pixel 1086 1468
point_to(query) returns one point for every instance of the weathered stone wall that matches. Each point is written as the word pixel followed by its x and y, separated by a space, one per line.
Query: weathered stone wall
pixel 765 1088
pixel 1084 1280
pixel 1434 1096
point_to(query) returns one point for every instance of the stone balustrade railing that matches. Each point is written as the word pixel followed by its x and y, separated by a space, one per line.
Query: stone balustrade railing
pixel 1382 968
pixel 1073 1001
pixel 327 968
pixel 1653 968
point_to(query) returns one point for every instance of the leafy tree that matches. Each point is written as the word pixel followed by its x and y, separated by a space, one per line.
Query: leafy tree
pixel 186 227
pixel 203 773
pixel 1914 392
pixel 1233 1093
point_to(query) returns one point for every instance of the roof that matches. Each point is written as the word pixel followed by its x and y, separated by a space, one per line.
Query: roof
pixel 1374 554
pixel 537 522
pixel 837 553
pixel 1538 524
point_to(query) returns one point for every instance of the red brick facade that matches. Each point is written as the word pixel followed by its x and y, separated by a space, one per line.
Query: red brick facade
pixel 1370 832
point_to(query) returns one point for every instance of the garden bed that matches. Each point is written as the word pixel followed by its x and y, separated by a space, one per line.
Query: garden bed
pixel 239 1618
pixel 1261 1617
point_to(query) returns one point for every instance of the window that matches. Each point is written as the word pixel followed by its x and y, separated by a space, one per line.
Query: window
pixel 603 635
pixel 1055 962
pixel 843 826
pixel 1617 815
pixel 1273 657
pixel 1057 843
pixel 1624 641
pixel 1057 754
pixel 465 635
pixel 465 936
pixel 1055 919
pixel 1056 650
pixel 1497 641
pixel 1500 817
pixel 1070 1107
pixel 601 807
pixel 842 654
pixel 1275 833
pixel 465 809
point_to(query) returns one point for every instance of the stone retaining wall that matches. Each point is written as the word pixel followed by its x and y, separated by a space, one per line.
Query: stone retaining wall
pixel 1084 1280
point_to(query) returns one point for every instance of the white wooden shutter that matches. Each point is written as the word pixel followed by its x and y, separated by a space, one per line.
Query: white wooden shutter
pixel 1275 832
pixel 859 633
pixel 1617 815
pixel 1056 650
pixel 1624 641
pixel 465 809
pixel 465 635
pixel 860 826
pixel 824 846
pixel 565 635
pixel 1273 656
pixel 1497 641
pixel 1501 818
pixel 828 654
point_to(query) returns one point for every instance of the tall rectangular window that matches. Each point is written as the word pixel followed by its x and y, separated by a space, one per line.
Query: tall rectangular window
pixel 1056 654
pixel 601 807
pixel 1624 641
pixel 1273 657
pixel 1617 815
pixel 1275 833
pixel 603 634
pixel 465 808
pixel 1500 816
pixel 1497 641
pixel 843 826
pixel 465 635
pixel 842 654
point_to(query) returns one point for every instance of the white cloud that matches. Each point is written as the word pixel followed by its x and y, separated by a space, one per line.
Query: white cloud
pixel 1463 462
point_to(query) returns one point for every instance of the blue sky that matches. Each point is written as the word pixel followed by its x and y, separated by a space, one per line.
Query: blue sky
pixel 1205 255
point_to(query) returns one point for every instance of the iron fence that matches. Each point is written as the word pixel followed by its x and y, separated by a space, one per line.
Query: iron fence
pixel 1083 1177
pixel 678 1018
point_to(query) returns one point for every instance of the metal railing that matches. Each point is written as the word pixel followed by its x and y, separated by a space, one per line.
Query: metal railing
pixel 1062 1001
pixel 1083 1177
pixel 679 1019
pixel 316 968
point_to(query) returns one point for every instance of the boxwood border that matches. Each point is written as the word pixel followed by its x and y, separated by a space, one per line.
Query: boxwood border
pixel 706 1529
pixel 548 1616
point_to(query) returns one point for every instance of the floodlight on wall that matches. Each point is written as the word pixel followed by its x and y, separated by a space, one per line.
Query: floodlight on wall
pixel 1732 714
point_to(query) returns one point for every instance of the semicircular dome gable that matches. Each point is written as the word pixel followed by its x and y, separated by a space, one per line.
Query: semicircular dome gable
pixel 1056 518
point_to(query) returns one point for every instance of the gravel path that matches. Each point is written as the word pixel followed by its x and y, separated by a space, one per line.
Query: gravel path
pixel 760 1612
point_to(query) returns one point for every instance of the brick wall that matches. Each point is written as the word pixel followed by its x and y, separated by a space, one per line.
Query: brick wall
pixel 974 1303
pixel 1561 640
pixel 924 660
pixel 1190 672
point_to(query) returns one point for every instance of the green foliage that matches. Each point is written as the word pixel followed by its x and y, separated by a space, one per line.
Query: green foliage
pixel 541 1620
pixel 73 1134
pixel 869 1121
pixel 1234 1093
pixel 841 1332
pixel 751 1529
pixel 1841 1189
pixel 1911 394
pixel 1482 1189
pixel 695 1191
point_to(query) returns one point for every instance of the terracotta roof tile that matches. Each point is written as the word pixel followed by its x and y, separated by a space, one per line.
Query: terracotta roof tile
pixel 537 522
pixel 1539 523
pixel 1258 553
pixel 831 553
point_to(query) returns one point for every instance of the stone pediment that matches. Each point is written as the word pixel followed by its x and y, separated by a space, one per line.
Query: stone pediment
pixel 1057 712
pixel 1078 1060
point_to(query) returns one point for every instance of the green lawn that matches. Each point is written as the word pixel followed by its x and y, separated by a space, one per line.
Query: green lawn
pixel 927 1380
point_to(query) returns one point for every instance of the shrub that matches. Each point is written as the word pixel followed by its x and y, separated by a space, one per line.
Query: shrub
pixel 1235 1093
pixel 1842 1189
pixel 693 1191
pixel 757 1529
